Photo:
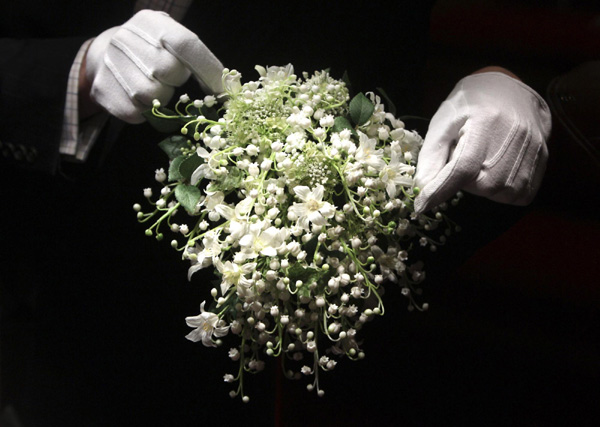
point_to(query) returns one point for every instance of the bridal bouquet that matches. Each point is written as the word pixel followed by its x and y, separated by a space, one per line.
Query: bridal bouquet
pixel 301 200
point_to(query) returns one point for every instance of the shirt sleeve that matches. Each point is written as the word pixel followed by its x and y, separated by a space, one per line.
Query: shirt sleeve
pixel 77 137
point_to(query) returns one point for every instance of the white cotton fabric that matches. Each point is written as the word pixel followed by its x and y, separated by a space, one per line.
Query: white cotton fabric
pixel 487 138
pixel 145 59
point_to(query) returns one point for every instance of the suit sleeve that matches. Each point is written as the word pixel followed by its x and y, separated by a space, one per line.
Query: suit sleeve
pixel 33 85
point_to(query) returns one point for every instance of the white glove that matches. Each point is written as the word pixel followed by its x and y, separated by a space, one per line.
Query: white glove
pixel 488 138
pixel 145 59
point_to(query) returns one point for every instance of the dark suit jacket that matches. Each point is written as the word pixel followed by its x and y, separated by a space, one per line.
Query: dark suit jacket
pixel 38 42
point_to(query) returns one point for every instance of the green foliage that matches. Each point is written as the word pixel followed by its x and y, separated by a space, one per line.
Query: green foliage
pixel 174 174
pixel 361 109
pixel 340 123
pixel 172 145
pixel 188 196
pixel 182 167
pixel 189 165
pixel 307 274
pixel 231 182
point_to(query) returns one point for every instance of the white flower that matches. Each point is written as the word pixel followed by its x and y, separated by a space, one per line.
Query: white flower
pixel 212 200
pixel 277 146
pixel 389 262
pixel 383 133
pixel 295 141
pixel 253 169
pixel 263 242
pixel 252 150
pixel 273 75
pixel 299 119
pixel 367 152
pixel 274 311
pixel 233 274
pixel 160 175
pixel 206 326
pixel 205 170
pixel 313 209
pixel 209 100
pixel 411 142
pixel 395 174
pixel 232 82
pixel 234 354
pixel 237 217
pixel 326 121
pixel 204 257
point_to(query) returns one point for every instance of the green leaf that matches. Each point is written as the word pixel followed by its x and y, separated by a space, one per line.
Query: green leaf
pixel 304 291
pixel 174 174
pixel 231 181
pixel 162 124
pixel 306 274
pixel 340 123
pixel 189 165
pixel 173 145
pixel 311 246
pixel 361 109
pixel 188 196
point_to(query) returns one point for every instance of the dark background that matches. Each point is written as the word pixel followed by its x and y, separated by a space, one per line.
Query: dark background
pixel 511 338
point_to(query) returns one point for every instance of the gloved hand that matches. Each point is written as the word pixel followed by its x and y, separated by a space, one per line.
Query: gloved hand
pixel 145 59
pixel 487 138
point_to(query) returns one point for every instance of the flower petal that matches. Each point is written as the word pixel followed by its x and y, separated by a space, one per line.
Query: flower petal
pixel 194 268
pixel 317 193
pixel 302 192
pixel 316 218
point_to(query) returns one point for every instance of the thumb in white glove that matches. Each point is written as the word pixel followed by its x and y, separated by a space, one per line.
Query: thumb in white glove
pixel 487 138
pixel 145 59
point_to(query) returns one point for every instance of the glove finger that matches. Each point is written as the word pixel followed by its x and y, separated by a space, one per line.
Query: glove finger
pixel 461 168
pixel 127 95
pixel 514 174
pixel 438 144
pixel 524 180
pixel 526 177
pixel 507 140
pixel 97 50
pixel 194 54
pixel 150 57
pixel 159 28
